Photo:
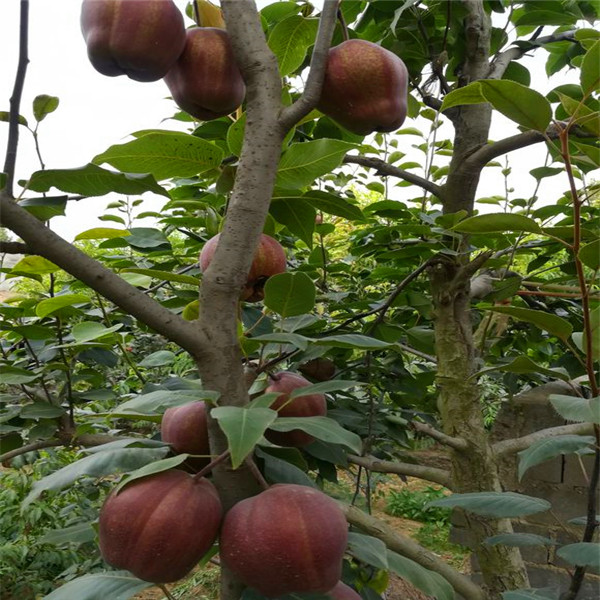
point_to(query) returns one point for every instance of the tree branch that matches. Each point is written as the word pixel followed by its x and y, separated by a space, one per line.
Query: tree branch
pixel 410 549
pixel 517 444
pixel 14 248
pixel 385 169
pixel 15 99
pixel 501 62
pixel 371 463
pixel 43 241
pixel 442 438
pixel 290 115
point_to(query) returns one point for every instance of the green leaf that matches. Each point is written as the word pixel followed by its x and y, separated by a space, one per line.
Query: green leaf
pixel 76 534
pixel 497 223
pixel 5 118
pixel 584 554
pixel 158 466
pixel 119 585
pixel 517 72
pixel 590 73
pixel 102 233
pixel 106 462
pixel 325 387
pixel 147 238
pixel 290 40
pixel 523 364
pixel 290 294
pixel 498 505
pixel 298 216
pixel 41 410
pixel 235 135
pixel 35 265
pixel 470 94
pixel 164 155
pixel 49 305
pixel 546 17
pixel 548 448
pixel 531 594
pixel 299 341
pixel 549 322
pixel 330 204
pixel 165 276
pixel 91 180
pixel 45 208
pixel 590 255
pixel 368 549
pixel 519 540
pixel 92 330
pixel 243 427
pixel 44 105
pixel 432 584
pixel 161 358
pixel 155 403
pixel 15 376
pixel 580 410
pixel 353 340
pixel 323 428
pixel 277 470
pixel 305 162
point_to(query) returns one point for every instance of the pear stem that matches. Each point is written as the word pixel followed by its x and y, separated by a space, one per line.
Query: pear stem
pixel 211 465
pixel 196 12
pixel 257 474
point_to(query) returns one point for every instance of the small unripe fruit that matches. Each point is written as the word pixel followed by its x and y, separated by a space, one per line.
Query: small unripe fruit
pixel 185 428
pixel 160 526
pixel 269 259
pixel 312 405
pixel 206 81
pixel 288 539
pixel 365 88
pixel 141 39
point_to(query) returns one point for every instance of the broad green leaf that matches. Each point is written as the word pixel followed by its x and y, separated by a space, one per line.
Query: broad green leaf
pixel 158 466
pixel 590 255
pixel 147 238
pixel 137 279
pixel 161 358
pixel 548 448
pixel 352 340
pixel 117 585
pixel 294 339
pixel 470 94
pixel 243 428
pixel 45 208
pixel 101 463
pixel 75 534
pixel 581 521
pixel 92 330
pixel 332 205
pixel 523 364
pixel 290 294
pixel 298 216
pixel 92 180
pixel 334 385
pixel 44 105
pixel 517 72
pixel 549 322
pixel 519 540
pixel 155 403
pixel 323 428
pixel 290 40
pixel 546 17
pixel 432 584
pixel 15 376
pixel 580 113
pixel 35 265
pixel 164 155
pixel 264 400
pixel 304 162
pixel 165 276
pixel 41 410
pixel 580 410
pixel 102 233
pixel 277 470
pixel 368 549
pixel 235 135
pixel 584 554
pixel 590 73
pixel 497 223
pixel 49 305
pixel 498 505
pixel 532 594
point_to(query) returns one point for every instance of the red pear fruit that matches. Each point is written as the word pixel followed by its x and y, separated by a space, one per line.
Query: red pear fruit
pixel 312 405
pixel 269 259
pixel 205 81
pixel 186 429
pixel 288 539
pixel 343 592
pixel 160 526
pixel 138 38
pixel 365 88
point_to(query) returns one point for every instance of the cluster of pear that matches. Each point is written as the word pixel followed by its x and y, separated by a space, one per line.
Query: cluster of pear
pixel 365 87
pixel 287 539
